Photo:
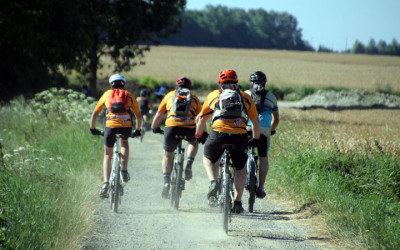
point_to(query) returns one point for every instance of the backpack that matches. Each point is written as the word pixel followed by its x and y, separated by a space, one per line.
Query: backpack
pixel 258 97
pixel 182 101
pixel 119 101
pixel 230 103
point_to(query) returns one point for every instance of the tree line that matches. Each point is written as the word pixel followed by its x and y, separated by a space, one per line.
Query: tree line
pixel 373 48
pixel 220 26
pixel 42 41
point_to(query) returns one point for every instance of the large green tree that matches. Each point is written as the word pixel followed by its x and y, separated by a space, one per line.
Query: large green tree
pixel 41 40
pixel 124 29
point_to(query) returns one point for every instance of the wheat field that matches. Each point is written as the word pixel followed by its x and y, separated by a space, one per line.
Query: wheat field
pixel 350 130
pixel 283 68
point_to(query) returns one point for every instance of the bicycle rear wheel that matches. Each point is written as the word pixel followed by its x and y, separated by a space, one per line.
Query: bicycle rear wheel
pixel 227 201
pixel 252 185
pixel 117 187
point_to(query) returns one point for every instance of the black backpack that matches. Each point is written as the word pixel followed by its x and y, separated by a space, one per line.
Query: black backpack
pixel 258 97
pixel 182 101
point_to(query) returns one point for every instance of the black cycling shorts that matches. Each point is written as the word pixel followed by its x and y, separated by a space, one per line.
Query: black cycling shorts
pixel 109 135
pixel 213 147
pixel 170 140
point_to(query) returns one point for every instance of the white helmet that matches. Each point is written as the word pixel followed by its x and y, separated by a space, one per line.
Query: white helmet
pixel 117 79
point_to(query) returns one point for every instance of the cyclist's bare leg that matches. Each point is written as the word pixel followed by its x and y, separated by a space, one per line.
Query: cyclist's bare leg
pixel 107 162
pixel 167 162
pixel 264 166
pixel 125 154
pixel 240 180
pixel 192 149
pixel 211 169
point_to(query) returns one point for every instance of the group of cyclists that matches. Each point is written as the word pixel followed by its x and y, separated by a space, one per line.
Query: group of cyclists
pixel 253 125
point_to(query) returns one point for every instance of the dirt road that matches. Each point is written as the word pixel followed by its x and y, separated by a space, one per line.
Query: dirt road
pixel 146 221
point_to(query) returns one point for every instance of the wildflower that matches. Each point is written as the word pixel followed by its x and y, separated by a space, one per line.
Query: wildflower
pixel 7 156
pixel 59 158
pixel 51 159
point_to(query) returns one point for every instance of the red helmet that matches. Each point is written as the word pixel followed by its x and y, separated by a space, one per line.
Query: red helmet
pixel 227 76
pixel 183 82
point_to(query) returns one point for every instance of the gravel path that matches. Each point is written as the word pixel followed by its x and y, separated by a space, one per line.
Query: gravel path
pixel 145 221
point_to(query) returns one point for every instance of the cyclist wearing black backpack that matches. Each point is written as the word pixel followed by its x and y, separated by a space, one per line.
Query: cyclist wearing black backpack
pixel 181 106
pixel 268 114
pixel 229 108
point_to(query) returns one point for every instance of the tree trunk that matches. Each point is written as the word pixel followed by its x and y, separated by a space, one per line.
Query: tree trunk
pixel 93 64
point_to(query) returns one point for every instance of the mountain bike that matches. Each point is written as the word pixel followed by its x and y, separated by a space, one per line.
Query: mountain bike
pixel 177 181
pixel 251 178
pixel 116 184
pixel 226 192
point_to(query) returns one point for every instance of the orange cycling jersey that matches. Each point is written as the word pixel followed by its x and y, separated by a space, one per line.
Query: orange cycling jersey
pixel 188 121
pixel 120 120
pixel 237 125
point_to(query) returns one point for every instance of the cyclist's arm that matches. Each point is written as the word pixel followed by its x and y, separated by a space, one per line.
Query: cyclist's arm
pixel 138 116
pixel 95 114
pixel 275 120
pixel 255 126
pixel 201 122
pixel 156 120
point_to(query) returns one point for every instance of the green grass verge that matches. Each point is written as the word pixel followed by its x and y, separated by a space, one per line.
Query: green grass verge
pixel 359 193
pixel 49 167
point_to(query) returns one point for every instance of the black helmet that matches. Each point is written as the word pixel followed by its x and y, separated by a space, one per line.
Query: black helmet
pixel 143 92
pixel 259 78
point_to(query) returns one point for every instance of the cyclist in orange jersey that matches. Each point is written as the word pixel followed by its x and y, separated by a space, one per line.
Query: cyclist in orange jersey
pixel 116 123
pixel 177 124
pixel 227 128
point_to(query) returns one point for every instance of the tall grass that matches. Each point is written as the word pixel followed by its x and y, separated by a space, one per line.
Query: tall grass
pixel 355 185
pixel 49 165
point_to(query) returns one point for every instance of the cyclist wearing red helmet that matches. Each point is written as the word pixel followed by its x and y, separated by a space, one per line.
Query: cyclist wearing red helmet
pixel 228 127
pixel 181 106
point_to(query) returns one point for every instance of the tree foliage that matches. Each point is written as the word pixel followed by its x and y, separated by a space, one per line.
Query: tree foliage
pixel 221 26
pixel 41 39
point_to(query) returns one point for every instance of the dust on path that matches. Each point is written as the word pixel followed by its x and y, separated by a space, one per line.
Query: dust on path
pixel 146 221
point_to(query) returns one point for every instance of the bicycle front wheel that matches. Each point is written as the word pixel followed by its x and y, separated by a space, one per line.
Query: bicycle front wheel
pixel 227 201
pixel 252 185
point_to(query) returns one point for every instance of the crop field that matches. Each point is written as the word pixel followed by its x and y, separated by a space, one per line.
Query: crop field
pixel 283 68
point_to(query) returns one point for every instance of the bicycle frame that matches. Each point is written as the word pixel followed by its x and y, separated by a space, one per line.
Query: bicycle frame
pixel 177 182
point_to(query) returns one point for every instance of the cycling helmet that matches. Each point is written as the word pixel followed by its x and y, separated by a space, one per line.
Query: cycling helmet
pixel 117 80
pixel 227 76
pixel 258 78
pixel 183 82
pixel 143 92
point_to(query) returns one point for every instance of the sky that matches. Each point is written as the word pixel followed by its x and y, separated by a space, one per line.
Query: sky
pixel 335 24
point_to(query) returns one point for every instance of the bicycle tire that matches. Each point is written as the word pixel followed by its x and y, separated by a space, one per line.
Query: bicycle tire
pixel 227 201
pixel 117 187
pixel 172 191
pixel 143 131
pixel 252 185
pixel 179 184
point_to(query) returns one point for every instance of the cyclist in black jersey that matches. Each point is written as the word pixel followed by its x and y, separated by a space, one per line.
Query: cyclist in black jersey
pixel 145 106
